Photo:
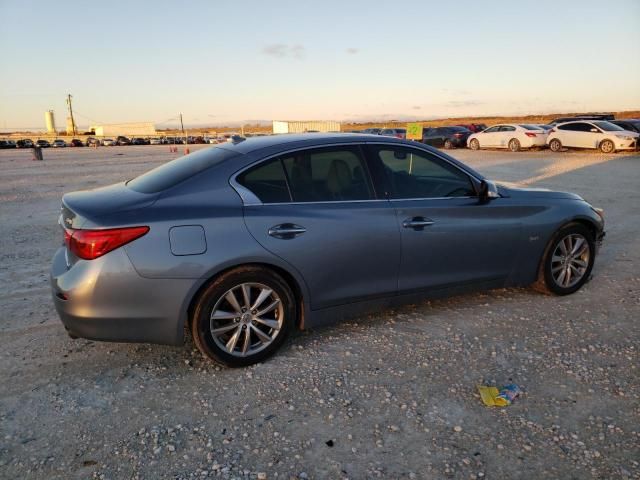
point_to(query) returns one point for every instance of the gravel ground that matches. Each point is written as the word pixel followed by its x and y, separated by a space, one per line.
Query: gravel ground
pixel 390 395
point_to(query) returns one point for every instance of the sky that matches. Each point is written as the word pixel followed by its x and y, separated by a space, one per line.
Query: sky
pixel 225 62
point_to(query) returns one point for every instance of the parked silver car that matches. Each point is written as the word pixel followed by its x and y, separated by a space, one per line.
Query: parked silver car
pixel 248 240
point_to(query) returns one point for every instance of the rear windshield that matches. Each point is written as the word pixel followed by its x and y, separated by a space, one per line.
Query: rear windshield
pixel 531 127
pixel 608 127
pixel 178 170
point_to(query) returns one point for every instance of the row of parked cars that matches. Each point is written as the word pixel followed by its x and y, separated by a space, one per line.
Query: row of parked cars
pixel 108 142
pixel 600 131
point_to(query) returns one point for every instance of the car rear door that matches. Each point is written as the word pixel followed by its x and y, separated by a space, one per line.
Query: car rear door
pixel 432 137
pixel 507 132
pixel 448 237
pixel 318 211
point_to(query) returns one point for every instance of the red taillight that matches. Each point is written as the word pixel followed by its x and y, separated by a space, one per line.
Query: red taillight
pixel 530 134
pixel 458 135
pixel 399 135
pixel 91 244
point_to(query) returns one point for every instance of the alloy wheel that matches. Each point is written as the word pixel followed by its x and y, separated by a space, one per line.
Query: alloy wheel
pixel 246 319
pixel 607 146
pixel 570 260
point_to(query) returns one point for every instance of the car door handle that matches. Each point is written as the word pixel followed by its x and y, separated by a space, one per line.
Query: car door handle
pixel 417 223
pixel 286 231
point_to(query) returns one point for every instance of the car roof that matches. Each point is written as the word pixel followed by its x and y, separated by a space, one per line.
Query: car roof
pixel 257 148
pixel 292 140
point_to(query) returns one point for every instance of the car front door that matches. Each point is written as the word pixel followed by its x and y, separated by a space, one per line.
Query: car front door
pixel 489 137
pixel 590 135
pixel 318 211
pixel 448 237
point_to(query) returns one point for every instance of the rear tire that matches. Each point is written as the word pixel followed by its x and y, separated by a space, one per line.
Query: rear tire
pixel 607 146
pixel 567 261
pixel 448 145
pixel 474 144
pixel 253 304
pixel 514 145
pixel 555 145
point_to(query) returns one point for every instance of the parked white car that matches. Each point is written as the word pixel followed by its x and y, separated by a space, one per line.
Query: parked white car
pixel 58 143
pixel 109 142
pixel 508 135
pixel 155 141
pixel 592 134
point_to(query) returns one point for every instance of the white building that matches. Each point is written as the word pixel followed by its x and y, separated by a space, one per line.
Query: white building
pixel 302 127
pixel 125 129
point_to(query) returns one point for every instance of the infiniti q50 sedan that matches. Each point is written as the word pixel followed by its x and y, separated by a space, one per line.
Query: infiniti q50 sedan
pixel 246 241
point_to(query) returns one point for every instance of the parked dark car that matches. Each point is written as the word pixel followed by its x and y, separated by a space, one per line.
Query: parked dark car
pixel 43 143
pixel 446 137
pixel 24 143
pixel 139 141
pixel 473 127
pixel 92 141
pixel 394 132
pixel 594 116
pixel 122 140
pixel 248 240
pixel 629 124
pixel 372 131
pixel 76 143
pixel 7 144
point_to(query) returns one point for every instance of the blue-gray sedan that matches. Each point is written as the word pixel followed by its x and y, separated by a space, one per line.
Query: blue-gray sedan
pixel 246 241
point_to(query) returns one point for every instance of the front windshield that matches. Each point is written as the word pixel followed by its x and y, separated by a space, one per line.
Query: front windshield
pixel 608 127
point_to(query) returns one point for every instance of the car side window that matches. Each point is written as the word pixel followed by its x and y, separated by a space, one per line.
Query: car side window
pixel 414 173
pixel 587 127
pixel 507 128
pixel 492 130
pixel 327 174
pixel 267 181
pixel 576 127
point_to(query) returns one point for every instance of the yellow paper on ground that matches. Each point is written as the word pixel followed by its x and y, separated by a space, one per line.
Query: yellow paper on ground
pixel 488 395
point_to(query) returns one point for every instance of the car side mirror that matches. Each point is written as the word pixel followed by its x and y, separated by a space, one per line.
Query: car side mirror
pixel 487 191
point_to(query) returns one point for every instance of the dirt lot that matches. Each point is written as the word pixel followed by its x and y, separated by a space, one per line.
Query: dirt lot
pixel 390 395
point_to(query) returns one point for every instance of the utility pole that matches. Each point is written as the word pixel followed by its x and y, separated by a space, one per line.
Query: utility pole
pixel 73 122
pixel 186 140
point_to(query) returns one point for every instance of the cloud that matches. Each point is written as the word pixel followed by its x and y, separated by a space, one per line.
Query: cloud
pixel 281 50
pixel 352 51
pixel 458 92
pixel 463 103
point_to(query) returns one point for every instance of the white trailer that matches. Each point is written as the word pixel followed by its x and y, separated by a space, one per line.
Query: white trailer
pixel 280 126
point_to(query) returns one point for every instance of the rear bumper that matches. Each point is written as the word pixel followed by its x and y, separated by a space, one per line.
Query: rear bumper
pixel 535 142
pixel 106 299
pixel 459 142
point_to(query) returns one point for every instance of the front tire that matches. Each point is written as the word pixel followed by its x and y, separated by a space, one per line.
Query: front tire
pixel 555 145
pixel 474 144
pixel 607 146
pixel 243 316
pixel 568 261
pixel 448 145
pixel 514 145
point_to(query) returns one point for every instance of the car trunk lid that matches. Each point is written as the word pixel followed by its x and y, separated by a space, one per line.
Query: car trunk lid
pixel 82 207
